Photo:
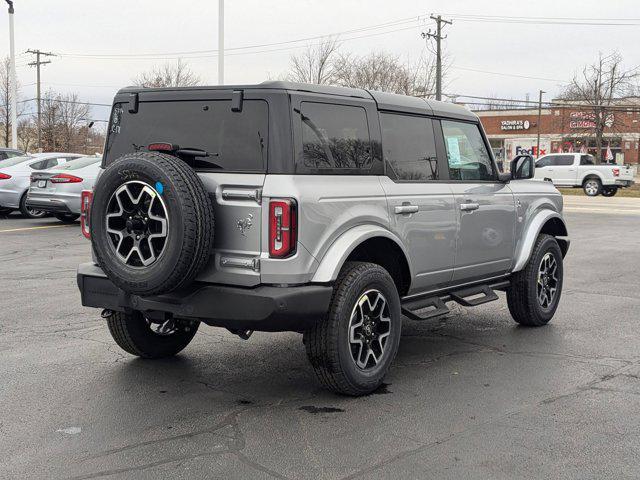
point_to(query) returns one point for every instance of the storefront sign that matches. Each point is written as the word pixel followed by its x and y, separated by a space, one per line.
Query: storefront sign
pixel 514 125
pixel 587 120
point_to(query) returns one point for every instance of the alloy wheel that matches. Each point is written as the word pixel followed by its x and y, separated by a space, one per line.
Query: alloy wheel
pixel 369 329
pixel 547 284
pixel 591 187
pixel 137 224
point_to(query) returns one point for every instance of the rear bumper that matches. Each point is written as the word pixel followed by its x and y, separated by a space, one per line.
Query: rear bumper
pixel 9 198
pixel 54 204
pixel 263 308
pixel 48 205
pixel 624 183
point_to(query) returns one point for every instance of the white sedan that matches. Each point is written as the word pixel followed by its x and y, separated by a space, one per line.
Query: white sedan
pixel 15 178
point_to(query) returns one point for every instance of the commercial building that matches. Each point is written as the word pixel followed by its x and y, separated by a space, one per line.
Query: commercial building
pixel 564 128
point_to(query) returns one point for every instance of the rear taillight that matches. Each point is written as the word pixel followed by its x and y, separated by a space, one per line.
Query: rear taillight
pixel 161 147
pixel 283 226
pixel 616 172
pixel 86 198
pixel 4 176
pixel 65 178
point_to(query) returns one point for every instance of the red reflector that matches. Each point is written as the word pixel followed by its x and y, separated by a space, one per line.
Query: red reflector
pixel 282 228
pixel 86 198
pixel 65 178
pixel 616 172
pixel 4 176
pixel 161 147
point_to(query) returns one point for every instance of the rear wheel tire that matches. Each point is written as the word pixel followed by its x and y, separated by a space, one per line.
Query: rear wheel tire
pixel 535 291
pixel 138 336
pixel 67 217
pixel 592 187
pixel 352 348
pixel 609 191
pixel 29 212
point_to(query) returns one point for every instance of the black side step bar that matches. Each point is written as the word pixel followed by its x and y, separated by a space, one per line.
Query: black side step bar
pixel 438 308
pixel 468 297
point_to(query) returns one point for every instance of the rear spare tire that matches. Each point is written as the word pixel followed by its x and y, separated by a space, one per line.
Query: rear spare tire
pixel 152 223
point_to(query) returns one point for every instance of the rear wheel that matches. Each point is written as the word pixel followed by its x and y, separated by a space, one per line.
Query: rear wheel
pixel 609 191
pixel 67 217
pixel 535 291
pixel 352 348
pixel 29 212
pixel 592 187
pixel 148 339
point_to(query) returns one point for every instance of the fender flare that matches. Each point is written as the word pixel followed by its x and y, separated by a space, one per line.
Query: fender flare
pixel 529 237
pixel 346 243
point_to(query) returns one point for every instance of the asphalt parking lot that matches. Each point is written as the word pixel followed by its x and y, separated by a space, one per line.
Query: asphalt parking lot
pixel 471 395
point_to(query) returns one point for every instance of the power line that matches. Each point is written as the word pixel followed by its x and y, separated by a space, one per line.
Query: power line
pixel 240 50
pixel 547 20
pixel 509 74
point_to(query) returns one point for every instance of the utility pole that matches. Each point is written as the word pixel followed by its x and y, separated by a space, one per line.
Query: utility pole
pixel 37 64
pixel 14 81
pixel 539 118
pixel 221 42
pixel 440 23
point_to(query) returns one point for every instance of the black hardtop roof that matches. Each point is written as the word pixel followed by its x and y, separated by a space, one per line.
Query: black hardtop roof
pixel 385 101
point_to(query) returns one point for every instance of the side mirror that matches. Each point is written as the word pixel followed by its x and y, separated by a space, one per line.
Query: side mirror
pixel 522 167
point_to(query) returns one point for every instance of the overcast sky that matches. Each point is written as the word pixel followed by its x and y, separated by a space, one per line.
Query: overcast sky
pixel 124 27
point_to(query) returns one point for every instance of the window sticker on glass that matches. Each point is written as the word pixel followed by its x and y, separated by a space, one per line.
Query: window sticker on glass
pixel 453 149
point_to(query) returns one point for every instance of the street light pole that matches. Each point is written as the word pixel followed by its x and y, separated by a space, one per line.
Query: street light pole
pixel 14 101
pixel 221 42
pixel 539 118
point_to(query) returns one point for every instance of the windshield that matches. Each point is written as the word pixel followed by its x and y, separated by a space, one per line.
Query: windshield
pixel 79 163
pixel 231 140
pixel 9 162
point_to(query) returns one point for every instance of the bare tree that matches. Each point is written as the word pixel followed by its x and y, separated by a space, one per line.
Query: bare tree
pixel 72 116
pixel 168 75
pixel 27 133
pixel 5 99
pixel 599 88
pixel 63 118
pixel 385 72
pixel 315 64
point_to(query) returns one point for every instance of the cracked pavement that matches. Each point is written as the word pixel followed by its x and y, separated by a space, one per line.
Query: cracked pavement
pixel 471 395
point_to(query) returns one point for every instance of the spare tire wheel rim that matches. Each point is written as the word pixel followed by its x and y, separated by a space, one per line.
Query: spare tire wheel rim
pixel 137 224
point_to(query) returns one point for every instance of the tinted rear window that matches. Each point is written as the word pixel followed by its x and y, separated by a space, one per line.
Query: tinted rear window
pixel 335 140
pixel 235 141
pixel 78 163
pixel 9 162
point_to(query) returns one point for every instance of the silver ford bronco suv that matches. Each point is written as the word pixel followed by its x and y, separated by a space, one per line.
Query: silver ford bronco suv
pixel 328 211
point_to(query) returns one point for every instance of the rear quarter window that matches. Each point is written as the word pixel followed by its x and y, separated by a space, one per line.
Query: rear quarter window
pixel 235 141
pixel 335 140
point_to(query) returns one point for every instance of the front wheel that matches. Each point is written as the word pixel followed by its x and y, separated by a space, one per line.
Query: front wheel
pixel 592 187
pixel 352 348
pixel 535 291
pixel 609 191
pixel 145 338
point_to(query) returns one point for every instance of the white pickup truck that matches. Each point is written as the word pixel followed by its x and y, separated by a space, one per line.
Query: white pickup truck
pixel 581 170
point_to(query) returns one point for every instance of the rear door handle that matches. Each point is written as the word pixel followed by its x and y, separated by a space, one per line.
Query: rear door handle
pixel 469 207
pixel 400 209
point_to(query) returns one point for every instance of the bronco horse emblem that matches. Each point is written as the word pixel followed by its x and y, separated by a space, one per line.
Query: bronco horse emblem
pixel 244 224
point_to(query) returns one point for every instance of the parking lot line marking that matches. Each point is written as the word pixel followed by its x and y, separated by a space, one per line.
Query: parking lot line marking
pixel 34 228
